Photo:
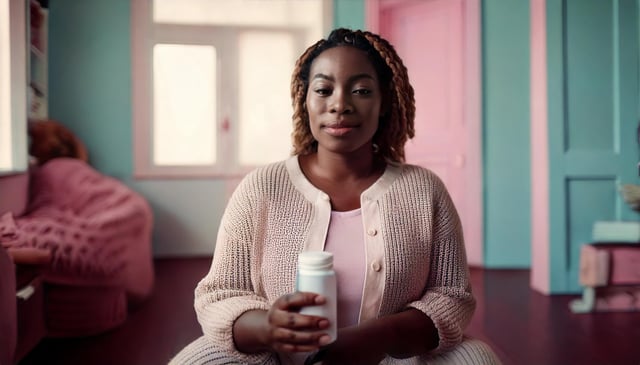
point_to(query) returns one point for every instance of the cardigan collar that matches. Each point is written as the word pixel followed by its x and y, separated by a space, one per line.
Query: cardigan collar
pixel 312 193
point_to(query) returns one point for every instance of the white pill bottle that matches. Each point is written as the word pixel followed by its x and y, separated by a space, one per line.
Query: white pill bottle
pixel 316 275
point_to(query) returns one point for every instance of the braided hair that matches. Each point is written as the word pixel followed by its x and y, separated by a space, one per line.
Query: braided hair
pixel 396 123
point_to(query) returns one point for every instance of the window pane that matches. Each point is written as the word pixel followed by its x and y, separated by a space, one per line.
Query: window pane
pixel 266 62
pixel 5 89
pixel 13 86
pixel 184 104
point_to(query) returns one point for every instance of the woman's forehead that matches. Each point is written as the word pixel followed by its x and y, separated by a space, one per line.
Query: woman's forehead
pixel 342 60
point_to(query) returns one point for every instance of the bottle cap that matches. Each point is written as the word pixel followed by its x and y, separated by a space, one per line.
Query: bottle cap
pixel 315 260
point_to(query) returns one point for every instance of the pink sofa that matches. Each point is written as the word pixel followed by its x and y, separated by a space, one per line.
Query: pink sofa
pixel 97 232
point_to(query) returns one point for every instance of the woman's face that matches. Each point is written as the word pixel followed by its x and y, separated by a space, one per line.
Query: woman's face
pixel 343 100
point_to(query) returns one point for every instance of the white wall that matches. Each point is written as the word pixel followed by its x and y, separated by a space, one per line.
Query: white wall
pixel 186 214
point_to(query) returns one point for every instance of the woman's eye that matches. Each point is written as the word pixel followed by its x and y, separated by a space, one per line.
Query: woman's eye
pixel 362 91
pixel 322 91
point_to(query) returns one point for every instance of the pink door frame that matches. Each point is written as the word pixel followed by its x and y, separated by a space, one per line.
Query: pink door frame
pixel 540 230
pixel 472 114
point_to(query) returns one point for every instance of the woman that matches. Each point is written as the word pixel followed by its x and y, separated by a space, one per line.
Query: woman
pixel 403 279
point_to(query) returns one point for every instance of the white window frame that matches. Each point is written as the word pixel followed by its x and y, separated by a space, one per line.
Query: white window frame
pixel 13 86
pixel 144 34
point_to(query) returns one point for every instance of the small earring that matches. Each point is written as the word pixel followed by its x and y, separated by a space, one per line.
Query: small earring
pixel 376 148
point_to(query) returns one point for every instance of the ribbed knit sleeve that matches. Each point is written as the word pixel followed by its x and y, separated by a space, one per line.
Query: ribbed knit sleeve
pixel 447 299
pixel 226 292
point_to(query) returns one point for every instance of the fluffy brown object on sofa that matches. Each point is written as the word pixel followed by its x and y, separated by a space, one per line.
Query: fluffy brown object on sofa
pixel 50 139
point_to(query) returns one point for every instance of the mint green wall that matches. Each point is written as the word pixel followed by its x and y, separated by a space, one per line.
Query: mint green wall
pixel 505 48
pixel 90 78
pixel 348 14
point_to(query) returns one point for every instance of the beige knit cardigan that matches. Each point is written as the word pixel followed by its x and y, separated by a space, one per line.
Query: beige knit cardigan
pixel 414 250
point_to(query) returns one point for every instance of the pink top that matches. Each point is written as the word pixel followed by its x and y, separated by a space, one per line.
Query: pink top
pixel 345 239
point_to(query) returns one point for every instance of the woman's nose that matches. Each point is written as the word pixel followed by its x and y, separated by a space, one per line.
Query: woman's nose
pixel 340 103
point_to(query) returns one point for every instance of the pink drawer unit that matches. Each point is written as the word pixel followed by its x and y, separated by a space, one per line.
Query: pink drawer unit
pixel 625 266
pixel 610 275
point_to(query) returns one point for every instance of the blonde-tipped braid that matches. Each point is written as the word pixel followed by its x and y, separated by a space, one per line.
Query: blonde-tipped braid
pixel 398 112
pixel 402 104
pixel 303 141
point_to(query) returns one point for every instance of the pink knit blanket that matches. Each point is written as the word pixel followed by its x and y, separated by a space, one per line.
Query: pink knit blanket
pixel 96 228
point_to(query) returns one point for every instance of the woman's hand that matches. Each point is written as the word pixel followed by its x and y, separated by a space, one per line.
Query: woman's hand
pixel 282 328
pixel 290 331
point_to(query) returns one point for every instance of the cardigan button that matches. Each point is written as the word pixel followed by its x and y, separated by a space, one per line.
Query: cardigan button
pixel 372 232
pixel 376 266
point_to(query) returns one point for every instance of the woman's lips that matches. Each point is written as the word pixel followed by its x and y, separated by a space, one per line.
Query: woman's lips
pixel 338 130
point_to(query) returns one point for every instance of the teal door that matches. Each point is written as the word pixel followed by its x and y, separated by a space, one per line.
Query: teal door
pixel 592 60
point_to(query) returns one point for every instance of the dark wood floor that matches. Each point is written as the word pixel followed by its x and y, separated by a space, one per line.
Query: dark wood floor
pixel 523 326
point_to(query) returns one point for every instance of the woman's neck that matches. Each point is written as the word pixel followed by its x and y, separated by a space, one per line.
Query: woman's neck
pixel 342 178
pixel 344 168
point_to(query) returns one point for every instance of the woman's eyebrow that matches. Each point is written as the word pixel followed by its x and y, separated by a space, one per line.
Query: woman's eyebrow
pixel 322 76
pixel 363 75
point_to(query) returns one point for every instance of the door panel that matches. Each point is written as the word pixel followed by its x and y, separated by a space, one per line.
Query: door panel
pixel 429 37
pixel 593 146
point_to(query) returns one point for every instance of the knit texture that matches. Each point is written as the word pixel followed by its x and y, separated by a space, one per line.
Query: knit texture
pixel 97 229
pixel 267 222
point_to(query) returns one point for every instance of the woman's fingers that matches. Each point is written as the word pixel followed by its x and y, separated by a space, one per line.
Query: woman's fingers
pixel 285 312
pixel 295 337
pixel 298 321
pixel 291 331
pixel 295 301
pixel 295 341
